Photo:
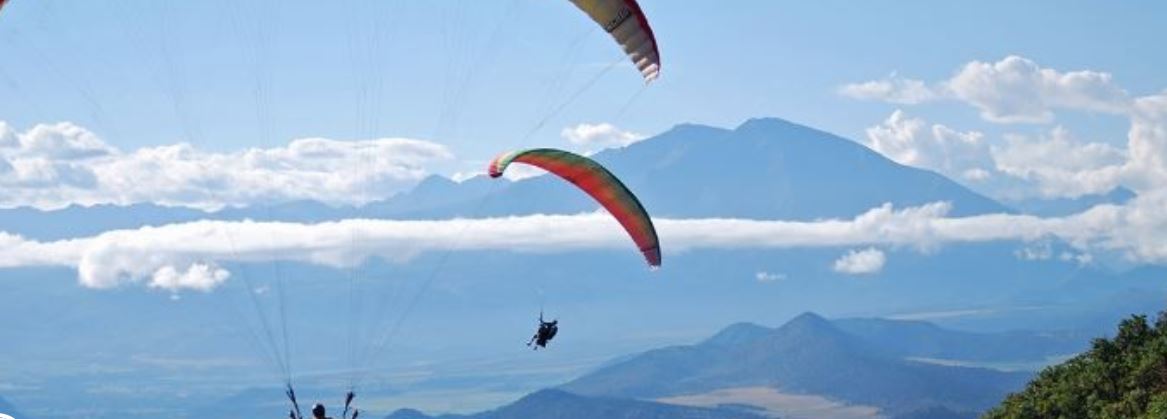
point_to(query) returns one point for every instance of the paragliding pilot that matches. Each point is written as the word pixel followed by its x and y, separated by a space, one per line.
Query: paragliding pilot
pixel 546 332
pixel 318 411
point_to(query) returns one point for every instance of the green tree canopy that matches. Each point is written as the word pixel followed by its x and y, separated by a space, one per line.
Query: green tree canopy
pixel 1121 378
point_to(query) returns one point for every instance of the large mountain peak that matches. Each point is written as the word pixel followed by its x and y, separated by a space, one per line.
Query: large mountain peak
pixel 772 125
pixel 738 334
pixel 808 325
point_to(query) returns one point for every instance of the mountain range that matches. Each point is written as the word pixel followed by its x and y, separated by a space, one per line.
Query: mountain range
pixel 808 367
pixel 764 169
pixel 807 355
pixel 563 405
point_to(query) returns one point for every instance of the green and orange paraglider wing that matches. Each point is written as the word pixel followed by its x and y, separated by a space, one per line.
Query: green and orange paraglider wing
pixel 598 183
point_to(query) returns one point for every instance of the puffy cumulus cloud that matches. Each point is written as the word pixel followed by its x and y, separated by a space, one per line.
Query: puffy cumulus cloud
pixel 42 173
pixel 8 138
pixel 339 172
pixel 189 255
pixel 1147 143
pixel 1017 89
pixel 899 138
pixel 49 155
pixel 1060 166
pixel 912 142
pixel 51 166
pixel 61 141
pixel 860 262
pixel 1012 90
pixel 1138 227
pixel 893 89
pixel 198 276
pixel 599 135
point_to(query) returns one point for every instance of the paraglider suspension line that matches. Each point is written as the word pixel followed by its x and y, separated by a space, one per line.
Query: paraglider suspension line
pixel 291 393
pixel 348 401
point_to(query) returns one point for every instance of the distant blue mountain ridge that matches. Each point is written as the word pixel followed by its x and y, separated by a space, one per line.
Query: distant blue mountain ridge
pixel 847 361
pixel 807 355
pixel 850 361
pixel 764 169
pixel 564 405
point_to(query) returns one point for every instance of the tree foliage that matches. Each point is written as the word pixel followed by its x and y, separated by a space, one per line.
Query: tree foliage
pixel 1121 378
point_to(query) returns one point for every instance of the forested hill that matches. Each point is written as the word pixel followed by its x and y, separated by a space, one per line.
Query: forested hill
pixel 1123 377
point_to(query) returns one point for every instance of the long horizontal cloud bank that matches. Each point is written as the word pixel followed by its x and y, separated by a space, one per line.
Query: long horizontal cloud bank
pixel 54 165
pixel 189 255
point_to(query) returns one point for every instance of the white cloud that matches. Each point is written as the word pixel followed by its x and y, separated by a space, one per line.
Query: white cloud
pixel 49 155
pixel 899 138
pixel 1012 90
pixel 1060 166
pixel 61 141
pixel 188 255
pixel 460 177
pixel 763 277
pixel 51 166
pixel 1147 143
pixel 8 138
pixel 1082 259
pixel 975 175
pixel 1016 89
pixel 198 276
pixel 861 262
pixel 893 89
pixel 912 142
pixel 1039 250
pixel 601 135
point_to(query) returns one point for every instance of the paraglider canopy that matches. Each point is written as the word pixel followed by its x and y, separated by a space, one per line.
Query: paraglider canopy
pixel 598 183
pixel 625 21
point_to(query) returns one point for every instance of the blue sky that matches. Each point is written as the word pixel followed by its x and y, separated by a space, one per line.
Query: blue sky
pixel 118 69
pixel 470 79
